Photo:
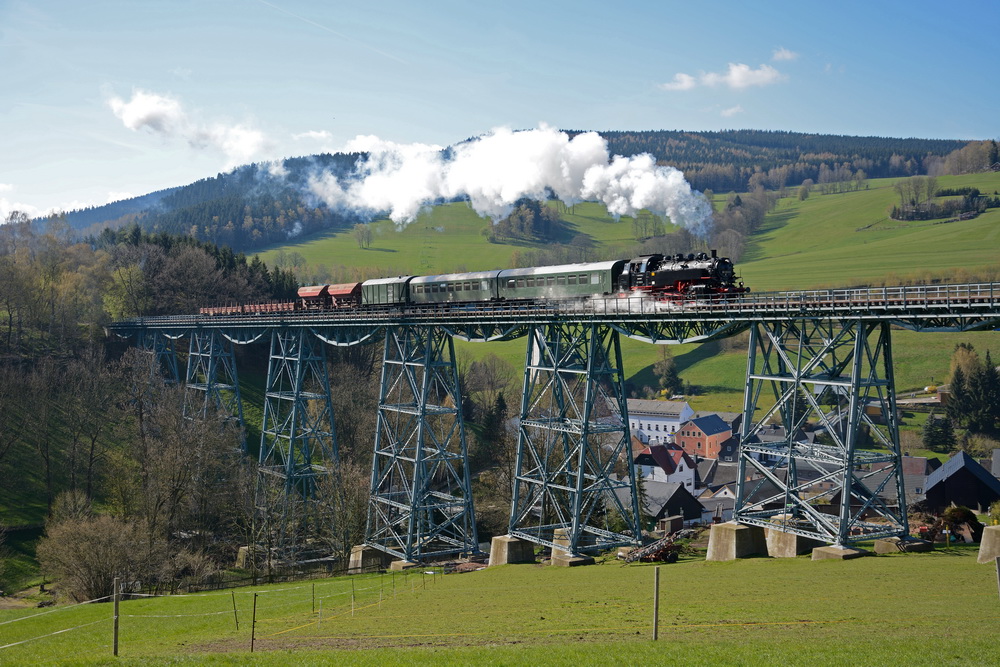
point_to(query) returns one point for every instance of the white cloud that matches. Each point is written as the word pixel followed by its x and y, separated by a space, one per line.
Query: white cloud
pixel 731 111
pixel 157 113
pixel 164 116
pixel 681 82
pixel 119 196
pixel 313 135
pixel 743 76
pixel 737 76
pixel 781 53
pixel 8 206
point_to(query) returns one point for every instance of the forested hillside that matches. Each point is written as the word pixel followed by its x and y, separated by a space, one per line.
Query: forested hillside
pixel 259 205
pixel 727 160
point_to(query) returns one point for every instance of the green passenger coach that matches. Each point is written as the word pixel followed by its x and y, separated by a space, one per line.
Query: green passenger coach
pixel 453 287
pixel 386 291
pixel 556 282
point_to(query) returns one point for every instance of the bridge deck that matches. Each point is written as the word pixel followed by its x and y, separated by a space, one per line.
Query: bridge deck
pixel 924 307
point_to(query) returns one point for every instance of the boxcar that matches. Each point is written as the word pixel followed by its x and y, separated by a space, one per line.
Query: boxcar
pixel 556 282
pixel 454 287
pixel 386 291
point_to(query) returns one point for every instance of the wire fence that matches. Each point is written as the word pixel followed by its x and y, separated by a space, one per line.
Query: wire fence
pixel 377 610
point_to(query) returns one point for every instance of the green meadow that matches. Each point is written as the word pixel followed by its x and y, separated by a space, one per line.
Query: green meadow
pixel 848 239
pixel 936 608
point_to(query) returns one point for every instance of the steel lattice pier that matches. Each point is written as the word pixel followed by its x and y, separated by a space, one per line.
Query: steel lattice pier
pixel 823 356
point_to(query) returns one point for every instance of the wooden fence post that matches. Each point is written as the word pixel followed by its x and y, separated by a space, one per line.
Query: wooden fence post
pixel 656 603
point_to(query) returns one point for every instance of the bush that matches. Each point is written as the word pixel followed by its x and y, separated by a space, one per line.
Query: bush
pixel 84 555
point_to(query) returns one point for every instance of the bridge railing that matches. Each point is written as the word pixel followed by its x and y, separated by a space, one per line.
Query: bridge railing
pixel 980 295
pixel 910 300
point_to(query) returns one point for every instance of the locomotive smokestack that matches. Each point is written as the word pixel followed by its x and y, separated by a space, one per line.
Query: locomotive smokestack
pixel 714 255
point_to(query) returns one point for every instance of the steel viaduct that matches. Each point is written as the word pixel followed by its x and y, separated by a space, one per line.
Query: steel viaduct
pixel 823 356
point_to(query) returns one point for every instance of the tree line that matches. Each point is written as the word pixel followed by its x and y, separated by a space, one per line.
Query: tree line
pixel 972 410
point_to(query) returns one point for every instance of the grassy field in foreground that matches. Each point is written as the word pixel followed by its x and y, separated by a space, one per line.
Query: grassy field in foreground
pixel 912 609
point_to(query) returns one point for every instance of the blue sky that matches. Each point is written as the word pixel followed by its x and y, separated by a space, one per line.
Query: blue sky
pixel 105 99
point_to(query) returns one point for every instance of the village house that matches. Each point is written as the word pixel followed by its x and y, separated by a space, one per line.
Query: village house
pixel 667 499
pixel 961 481
pixel 655 422
pixel 661 463
pixel 707 437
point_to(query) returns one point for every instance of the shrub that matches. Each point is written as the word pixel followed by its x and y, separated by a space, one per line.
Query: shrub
pixel 84 555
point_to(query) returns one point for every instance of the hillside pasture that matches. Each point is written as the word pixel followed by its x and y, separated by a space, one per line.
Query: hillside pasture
pixel 917 608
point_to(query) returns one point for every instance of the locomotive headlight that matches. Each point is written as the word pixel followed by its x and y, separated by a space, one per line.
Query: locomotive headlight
pixel 652 273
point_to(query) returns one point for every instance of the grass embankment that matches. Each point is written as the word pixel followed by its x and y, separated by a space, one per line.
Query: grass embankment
pixel 912 608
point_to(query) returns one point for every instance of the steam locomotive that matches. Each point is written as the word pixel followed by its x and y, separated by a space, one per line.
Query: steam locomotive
pixel 667 277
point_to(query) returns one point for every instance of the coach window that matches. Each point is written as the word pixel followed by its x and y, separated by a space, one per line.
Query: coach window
pixel 531 282
pixel 511 284
pixel 520 283
pixel 595 279
pixel 551 280
pixel 571 280
pixel 468 287
pixel 561 280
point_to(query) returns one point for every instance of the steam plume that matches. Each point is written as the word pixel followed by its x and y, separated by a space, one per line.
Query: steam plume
pixel 494 171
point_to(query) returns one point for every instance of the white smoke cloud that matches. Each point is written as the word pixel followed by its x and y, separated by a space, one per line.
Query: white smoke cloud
pixel 494 171
pixel 164 116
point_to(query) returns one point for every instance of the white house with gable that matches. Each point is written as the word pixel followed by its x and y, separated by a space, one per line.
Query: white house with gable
pixel 655 422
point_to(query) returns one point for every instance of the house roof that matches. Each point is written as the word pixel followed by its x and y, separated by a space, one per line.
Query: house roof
pixel 711 425
pixel 725 473
pixel 642 406
pixel 958 462
pixel 728 417
pixel 666 458
pixel 717 505
pixel 915 465
pixel 705 471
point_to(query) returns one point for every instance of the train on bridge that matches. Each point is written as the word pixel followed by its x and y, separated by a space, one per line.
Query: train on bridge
pixel 668 277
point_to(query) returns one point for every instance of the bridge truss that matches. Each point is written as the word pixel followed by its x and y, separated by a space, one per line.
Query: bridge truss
pixel 822 357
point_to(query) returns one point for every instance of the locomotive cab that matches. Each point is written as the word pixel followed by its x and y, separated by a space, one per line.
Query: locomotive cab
pixel 636 272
